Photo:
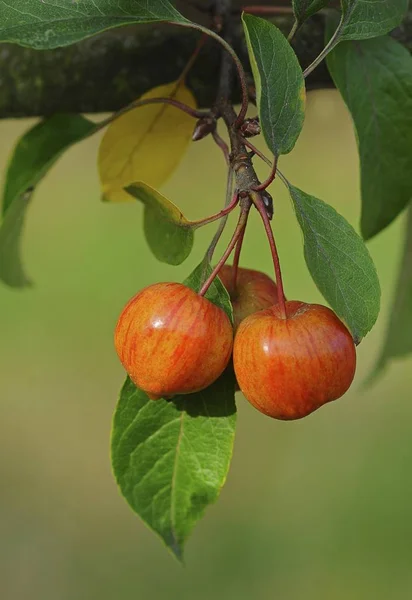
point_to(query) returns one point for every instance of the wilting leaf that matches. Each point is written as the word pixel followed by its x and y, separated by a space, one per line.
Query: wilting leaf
pixel 168 233
pixel 280 87
pixel 145 144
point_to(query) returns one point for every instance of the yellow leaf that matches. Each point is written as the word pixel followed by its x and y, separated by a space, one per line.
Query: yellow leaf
pixel 145 144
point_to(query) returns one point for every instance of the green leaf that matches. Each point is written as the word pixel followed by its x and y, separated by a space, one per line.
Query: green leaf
pixel 375 80
pixel 339 263
pixel 11 266
pixel 171 458
pixel 34 154
pixel 53 23
pixel 398 338
pixel 304 9
pixel 280 87
pixel 362 19
pixel 168 233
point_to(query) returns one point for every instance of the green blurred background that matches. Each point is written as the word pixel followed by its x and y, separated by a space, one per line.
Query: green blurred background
pixel 318 509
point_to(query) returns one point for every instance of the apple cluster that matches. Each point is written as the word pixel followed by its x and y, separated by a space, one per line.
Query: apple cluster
pixel 173 341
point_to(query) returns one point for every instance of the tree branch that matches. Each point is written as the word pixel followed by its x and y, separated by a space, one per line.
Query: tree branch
pixel 110 70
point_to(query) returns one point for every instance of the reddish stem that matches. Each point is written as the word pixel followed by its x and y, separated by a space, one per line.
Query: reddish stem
pixel 256 151
pixel 241 224
pixel 262 186
pixel 197 114
pixel 258 202
pixel 237 257
pixel 222 145
pixel 219 215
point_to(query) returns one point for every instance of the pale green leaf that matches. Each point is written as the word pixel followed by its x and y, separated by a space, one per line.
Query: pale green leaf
pixel 45 24
pixel 169 234
pixel 280 87
pixel 398 338
pixel 35 153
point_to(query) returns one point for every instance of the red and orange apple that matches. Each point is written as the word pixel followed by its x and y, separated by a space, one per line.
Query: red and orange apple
pixel 253 291
pixel 172 341
pixel 289 367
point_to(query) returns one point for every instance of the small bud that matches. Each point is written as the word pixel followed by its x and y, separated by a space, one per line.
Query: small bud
pixel 268 202
pixel 250 127
pixel 203 127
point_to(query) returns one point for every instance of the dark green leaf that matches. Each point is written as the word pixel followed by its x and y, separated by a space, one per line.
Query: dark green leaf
pixel 375 80
pixel 168 233
pixel 304 9
pixel 171 458
pixel 33 156
pixel 339 263
pixel 280 87
pixel 398 339
pixel 49 24
pixel 362 19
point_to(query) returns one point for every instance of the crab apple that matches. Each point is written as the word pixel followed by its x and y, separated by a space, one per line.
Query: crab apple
pixel 172 341
pixel 254 291
pixel 287 368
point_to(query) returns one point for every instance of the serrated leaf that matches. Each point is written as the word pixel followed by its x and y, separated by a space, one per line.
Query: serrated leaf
pixel 339 262
pixel 398 338
pixel 375 80
pixel 145 144
pixel 168 233
pixel 49 24
pixel 304 9
pixel 280 87
pixel 171 458
pixel 362 19
pixel 35 153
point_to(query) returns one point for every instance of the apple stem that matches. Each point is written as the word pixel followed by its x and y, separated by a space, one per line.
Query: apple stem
pixel 239 231
pixel 225 211
pixel 236 257
pixel 258 202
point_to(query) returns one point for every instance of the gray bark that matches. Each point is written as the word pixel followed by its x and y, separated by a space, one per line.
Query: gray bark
pixel 108 71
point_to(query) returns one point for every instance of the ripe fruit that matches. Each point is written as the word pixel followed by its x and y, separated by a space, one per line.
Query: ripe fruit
pixel 287 368
pixel 254 291
pixel 172 341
